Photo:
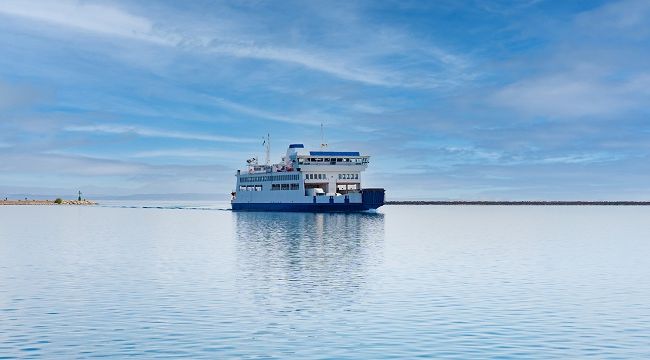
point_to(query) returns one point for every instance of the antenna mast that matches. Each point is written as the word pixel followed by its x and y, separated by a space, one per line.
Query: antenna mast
pixel 323 145
pixel 268 149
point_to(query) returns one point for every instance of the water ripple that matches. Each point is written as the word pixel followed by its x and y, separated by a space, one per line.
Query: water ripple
pixel 431 282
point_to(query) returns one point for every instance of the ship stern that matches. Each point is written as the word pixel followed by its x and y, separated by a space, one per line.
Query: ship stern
pixel 372 198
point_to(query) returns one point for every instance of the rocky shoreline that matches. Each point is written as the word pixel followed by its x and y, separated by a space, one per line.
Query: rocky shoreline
pixel 47 202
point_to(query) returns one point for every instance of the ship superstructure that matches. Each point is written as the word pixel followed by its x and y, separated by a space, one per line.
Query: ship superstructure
pixel 306 181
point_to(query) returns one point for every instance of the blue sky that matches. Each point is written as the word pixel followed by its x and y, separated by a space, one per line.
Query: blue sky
pixel 453 100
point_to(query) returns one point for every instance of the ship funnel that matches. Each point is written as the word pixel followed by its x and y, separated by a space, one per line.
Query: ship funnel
pixel 292 153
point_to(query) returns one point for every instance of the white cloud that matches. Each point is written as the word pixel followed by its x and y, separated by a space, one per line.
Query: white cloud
pixel 12 96
pixel 85 16
pixel 149 132
pixel 621 16
pixel 570 95
pixel 76 169
pixel 594 66
pixel 66 164
pixel 311 60
pixel 190 153
pixel 580 159
pixel 356 65
pixel 247 110
pixel 367 108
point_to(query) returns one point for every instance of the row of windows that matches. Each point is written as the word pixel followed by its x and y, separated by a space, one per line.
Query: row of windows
pixel 316 176
pixel 287 177
pixel 293 186
pixel 334 160
pixel 290 177
pixel 285 187
pixel 348 176
pixel 347 187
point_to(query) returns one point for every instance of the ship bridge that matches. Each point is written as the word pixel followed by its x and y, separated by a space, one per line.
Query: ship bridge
pixel 333 158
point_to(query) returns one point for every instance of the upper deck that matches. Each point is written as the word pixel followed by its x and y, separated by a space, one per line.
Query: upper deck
pixel 312 161
pixel 347 158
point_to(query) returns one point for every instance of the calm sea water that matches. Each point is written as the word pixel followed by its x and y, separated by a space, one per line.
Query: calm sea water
pixel 427 281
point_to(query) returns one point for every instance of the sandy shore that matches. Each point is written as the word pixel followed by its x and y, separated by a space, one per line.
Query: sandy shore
pixel 46 202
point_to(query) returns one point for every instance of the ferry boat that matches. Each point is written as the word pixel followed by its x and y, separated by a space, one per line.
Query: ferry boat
pixel 314 181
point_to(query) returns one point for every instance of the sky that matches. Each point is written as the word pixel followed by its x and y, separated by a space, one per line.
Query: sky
pixel 471 100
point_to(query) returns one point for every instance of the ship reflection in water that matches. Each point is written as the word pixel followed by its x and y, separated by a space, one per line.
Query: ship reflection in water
pixel 301 261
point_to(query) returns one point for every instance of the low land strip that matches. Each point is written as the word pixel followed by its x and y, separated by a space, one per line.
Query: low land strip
pixel 518 203
pixel 47 202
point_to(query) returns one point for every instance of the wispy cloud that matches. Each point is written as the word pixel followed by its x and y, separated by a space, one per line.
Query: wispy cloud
pixel 247 110
pixel 580 159
pixel 12 96
pixel 97 18
pixel 593 66
pixel 74 169
pixel 323 63
pixel 67 165
pixel 150 132
pixel 114 21
pixel 573 95
pixel 627 17
pixel 189 153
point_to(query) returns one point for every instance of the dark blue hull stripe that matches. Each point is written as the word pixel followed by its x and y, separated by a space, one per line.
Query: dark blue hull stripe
pixel 304 207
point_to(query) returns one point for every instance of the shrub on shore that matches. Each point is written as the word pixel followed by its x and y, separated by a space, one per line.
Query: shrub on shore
pixel 58 201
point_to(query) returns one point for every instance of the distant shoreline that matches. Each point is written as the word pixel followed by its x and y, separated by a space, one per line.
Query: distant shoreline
pixel 47 202
pixel 537 203
pixel 393 202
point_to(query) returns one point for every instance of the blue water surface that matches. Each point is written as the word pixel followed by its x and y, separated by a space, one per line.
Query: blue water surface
pixel 196 281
